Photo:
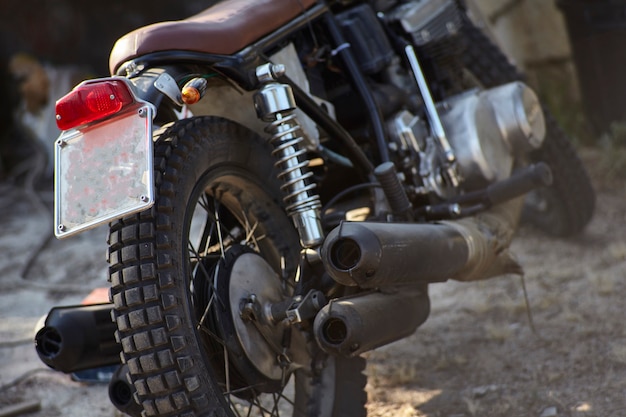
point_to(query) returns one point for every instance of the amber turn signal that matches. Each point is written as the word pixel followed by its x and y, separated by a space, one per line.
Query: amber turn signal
pixel 193 91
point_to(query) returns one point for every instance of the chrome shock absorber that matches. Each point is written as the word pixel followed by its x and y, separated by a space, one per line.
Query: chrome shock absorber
pixel 275 104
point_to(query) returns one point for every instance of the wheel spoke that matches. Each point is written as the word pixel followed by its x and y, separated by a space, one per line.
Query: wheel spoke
pixel 281 396
pixel 201 324
pixel 212 335
pixel 225 236
pixel 261 407
pixel 250 231
pixel 216 227
pixel 227 372
pixel 206 231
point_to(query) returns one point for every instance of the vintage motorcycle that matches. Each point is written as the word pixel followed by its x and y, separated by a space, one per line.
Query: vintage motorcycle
pixel 283 180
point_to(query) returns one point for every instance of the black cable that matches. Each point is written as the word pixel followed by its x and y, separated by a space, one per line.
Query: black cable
pixel 359 83
pixel 347 191
pixel 334 129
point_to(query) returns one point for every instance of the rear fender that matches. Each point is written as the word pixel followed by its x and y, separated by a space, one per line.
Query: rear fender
pixel 169 107
pixel 226 96
pixel 223 98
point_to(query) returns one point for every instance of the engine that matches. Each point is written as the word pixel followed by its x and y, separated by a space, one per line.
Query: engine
pixel 487 130
pixel 434 27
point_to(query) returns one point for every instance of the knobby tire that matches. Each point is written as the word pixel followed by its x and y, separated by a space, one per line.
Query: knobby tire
pixel 169 363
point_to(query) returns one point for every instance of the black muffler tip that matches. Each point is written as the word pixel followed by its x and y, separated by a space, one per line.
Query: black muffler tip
pixel 334 331
pixel 355 324
pixel 76 338
pixel 345 254
pixel 376 255
pixel 122 392
pixel 48 342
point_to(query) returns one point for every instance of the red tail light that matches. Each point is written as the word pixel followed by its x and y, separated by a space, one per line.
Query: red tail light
pixel 92 101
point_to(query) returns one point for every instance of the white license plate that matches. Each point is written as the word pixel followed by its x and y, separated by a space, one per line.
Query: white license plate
pixel 103 172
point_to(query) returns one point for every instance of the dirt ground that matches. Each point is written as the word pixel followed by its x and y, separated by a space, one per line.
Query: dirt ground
pixel 483 351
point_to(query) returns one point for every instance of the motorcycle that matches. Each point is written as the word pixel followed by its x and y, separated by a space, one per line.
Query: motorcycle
pixel 283 179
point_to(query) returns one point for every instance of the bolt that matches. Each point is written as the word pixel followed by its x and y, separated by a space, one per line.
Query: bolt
pixel 143 198
pixel 292 318
pixel 278 70
pixel 247 314
pixel 455 210
pixel 283 360
pixel 61 143
pixel 61 227
pixel 142 112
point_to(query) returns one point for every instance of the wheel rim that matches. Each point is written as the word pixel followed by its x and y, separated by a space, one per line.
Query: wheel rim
pixel 216 226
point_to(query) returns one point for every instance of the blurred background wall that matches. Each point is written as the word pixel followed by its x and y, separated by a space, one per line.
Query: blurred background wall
pixel 79 32
pixel 574 54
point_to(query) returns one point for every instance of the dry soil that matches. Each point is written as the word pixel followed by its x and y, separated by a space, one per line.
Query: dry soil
pixel 484 351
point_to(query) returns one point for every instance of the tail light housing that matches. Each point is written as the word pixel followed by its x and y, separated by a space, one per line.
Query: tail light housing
pixel 92 101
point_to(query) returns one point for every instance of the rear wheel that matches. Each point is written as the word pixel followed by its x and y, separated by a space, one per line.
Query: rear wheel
pixel 566 206
pixel 182 273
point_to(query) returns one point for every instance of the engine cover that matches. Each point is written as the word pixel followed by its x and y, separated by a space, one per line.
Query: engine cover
pixel 428 21
pixel 489 129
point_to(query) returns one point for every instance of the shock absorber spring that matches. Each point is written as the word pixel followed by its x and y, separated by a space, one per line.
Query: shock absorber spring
pixel 275 104
pixel 291 159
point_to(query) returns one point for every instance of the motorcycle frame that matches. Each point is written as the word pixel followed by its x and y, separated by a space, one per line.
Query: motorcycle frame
pixel 240 69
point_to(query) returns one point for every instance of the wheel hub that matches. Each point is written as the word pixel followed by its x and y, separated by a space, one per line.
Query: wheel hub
pixel 252 277
pixel 251 346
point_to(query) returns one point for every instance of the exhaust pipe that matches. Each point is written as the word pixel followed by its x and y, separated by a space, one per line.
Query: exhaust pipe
pixel 382 255
pixel 352 325
pixel 121 393
pixel 81 337
pixel 399 260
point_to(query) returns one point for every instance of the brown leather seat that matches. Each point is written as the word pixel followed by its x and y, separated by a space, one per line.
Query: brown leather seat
pixel 224 28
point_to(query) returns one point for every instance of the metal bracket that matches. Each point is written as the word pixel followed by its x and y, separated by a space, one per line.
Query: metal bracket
pixel 306 307
pixel 168 86
pixel 433 117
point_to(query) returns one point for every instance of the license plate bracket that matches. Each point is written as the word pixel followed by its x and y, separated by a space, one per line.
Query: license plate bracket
pixel 104 172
